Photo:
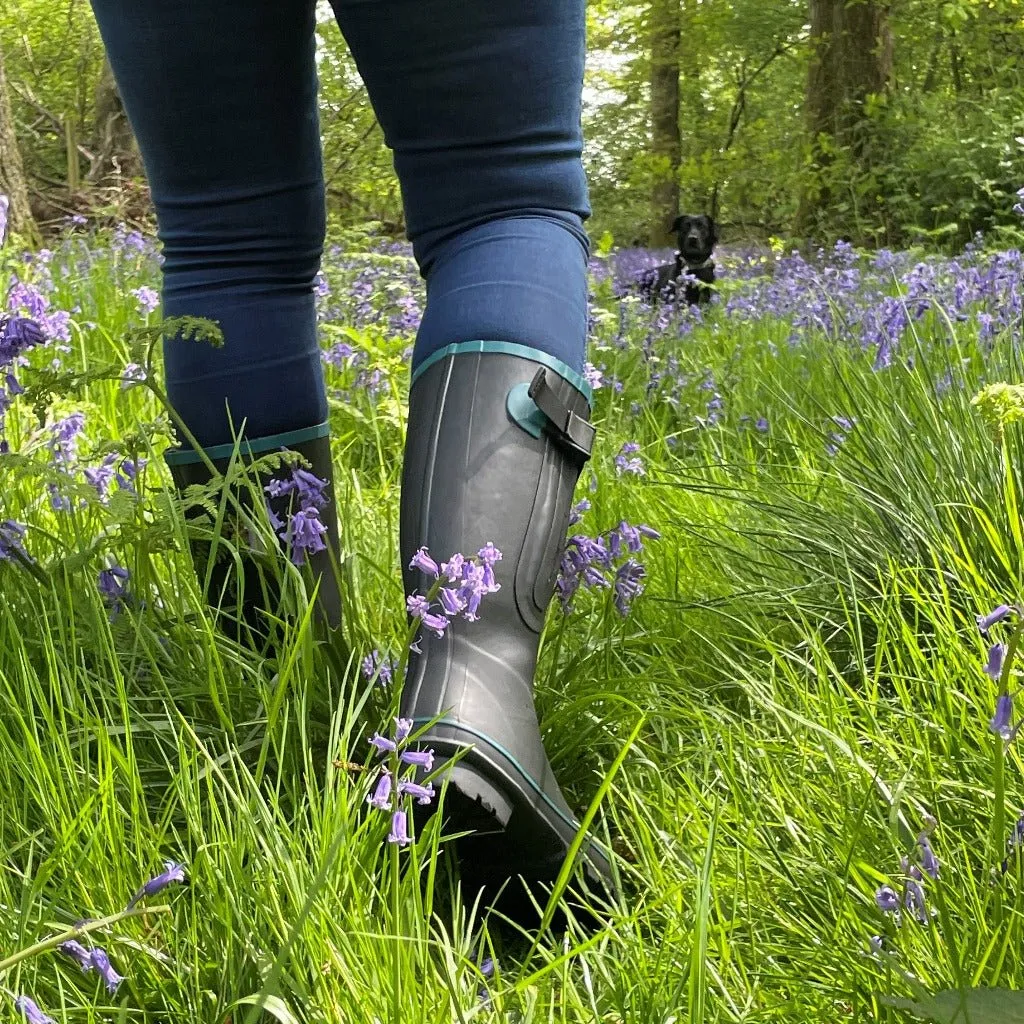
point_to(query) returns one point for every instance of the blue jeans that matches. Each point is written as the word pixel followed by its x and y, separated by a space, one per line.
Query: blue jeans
pixel 480 103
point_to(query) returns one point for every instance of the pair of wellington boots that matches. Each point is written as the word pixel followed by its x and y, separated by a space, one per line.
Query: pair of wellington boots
pixel 497 436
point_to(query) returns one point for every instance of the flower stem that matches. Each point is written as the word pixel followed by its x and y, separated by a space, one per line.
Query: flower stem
pixel 44 945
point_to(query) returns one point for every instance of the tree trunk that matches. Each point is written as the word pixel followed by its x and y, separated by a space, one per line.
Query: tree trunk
pixel 117 154
pixel 666 145
pixel 12 171
pixel 851 60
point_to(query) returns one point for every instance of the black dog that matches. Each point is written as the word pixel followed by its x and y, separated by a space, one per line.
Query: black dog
pixel 696 238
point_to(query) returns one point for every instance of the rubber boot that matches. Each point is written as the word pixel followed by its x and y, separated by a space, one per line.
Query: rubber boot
pixel 244 604
pixel 497 436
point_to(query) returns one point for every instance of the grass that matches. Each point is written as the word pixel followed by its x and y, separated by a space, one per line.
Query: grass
pixel 799 688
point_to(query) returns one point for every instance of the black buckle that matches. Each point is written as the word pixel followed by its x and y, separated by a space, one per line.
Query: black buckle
pixel 574 432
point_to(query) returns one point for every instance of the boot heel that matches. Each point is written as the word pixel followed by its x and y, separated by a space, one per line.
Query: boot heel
pixel 479 806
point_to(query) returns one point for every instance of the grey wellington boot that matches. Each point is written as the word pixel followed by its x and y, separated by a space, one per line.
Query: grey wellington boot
pixel 497 436
pixel 241 603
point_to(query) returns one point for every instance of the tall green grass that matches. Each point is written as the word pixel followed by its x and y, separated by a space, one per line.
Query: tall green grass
pixel 801 683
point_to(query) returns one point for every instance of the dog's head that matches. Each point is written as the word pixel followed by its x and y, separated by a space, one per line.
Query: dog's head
pixel 696 237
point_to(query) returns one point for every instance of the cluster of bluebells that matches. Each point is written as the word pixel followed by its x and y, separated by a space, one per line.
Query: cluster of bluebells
pixel 458 587
pixel 909 897
pixel 302 530
pixel 380 667
pixel 838 429
pixel 628 462
pixel 18 334
pixel 113 587
pixel 12 540
pixel 607 561
pixel 395 784
pixel 1001 724
pixel 96 960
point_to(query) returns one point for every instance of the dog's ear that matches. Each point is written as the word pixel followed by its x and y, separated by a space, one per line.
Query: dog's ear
pixel 712 229
pixel 677 224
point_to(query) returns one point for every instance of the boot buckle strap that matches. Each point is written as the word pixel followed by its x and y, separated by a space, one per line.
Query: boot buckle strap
pixel 572 430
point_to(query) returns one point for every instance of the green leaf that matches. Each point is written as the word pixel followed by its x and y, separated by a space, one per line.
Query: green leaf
pixel 972 1006
pixel 274 1005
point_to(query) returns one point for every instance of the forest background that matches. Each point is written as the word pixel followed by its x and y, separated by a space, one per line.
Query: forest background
pixel 886 124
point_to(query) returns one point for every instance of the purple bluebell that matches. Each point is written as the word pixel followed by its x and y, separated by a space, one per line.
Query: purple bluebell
pixel 628 584
pixel 593 376
pixel 1002 721
pixel 382 744
pixel 172 873
pixel 102 476
pixel 994 665
pixel 132 374
pixel 417 606
pixel 77 952
pixel 305 534
pixel 421 794
pixel 403 729
pixel 986 622
pixel 307 487
pixel 148 299
pixel 12 536
pixel 929 862
pixel 381 795
pixel 437 624
pixel 761 426
pixel 113 586
pixel 31 1012
pixel 100 963
pixel 914 901
pixel 876 944
pixel 420 758
pixel 129 473
pixel 381 666
pixel 399 829
pixel 452 602
pixel 577 511
pixel 424 563
pixel 5 205
pixel 627 462
pixel 887 899
pixel 452 569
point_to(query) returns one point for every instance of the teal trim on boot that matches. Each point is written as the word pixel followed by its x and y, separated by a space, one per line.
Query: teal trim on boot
pixel 509 348
pixel 257 446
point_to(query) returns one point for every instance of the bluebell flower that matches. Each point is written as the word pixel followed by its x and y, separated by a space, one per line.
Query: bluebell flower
pixel 305 534
pixel 12 535
pixel 1002 721
pixel 171 874
pixel 424 563
pixel 31 1012
pixel 382 744
pixel 77 952
pixel 422 794
pixel 986 622
pixel 399 829
pixel 101 964
pixel 929 862
pixel 420 758
pixel 887 900
pixel 994 666
pixel 381 795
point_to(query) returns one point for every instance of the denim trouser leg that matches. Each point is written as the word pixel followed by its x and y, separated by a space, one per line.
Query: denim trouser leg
pixel 480 102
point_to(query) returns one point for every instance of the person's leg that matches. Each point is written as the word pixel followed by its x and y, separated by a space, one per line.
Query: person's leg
pixel 221 95
pixel 480 102
pixel 222 98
